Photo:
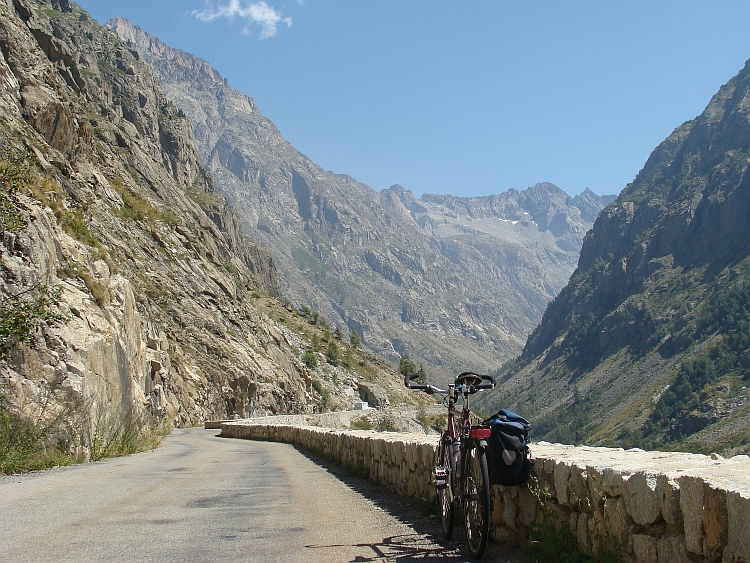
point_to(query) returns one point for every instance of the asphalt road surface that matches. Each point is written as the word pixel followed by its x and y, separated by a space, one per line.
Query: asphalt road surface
pixel 204 498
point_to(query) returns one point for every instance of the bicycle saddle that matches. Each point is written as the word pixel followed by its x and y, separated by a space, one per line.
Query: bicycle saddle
pixel 468 378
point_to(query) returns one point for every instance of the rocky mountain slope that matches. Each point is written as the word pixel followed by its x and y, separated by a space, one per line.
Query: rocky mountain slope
pixel 125 280
pixel 455 282
pixel 649 343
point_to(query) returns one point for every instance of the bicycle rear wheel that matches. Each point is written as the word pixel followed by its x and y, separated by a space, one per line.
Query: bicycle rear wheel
pixel 476 499
pixel 445 488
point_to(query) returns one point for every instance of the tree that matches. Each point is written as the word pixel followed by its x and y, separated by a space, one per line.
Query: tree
pixel 406 366
pixel 421 375
pixel 333 354
pixel 354 339
pixel 348 358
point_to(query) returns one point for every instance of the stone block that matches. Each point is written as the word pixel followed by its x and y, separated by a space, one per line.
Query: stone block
pixel 738 519
pixel 547 466
pixel 561 479
pixel 644 549
pixel 578 492
pixel 618 521
pixel 526 506
pixel 573 523
pixel 510 511
pixel 497 504
pixel 641 498
pixel 714 523
pixel 668 492
pixel 582 532
pixel 613 483
pixel 691 505
pixel 595 482
pixel 671 549
pixel 503 534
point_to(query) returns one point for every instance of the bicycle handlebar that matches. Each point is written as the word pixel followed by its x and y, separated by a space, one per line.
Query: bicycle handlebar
pixel 467 375
pixel 429 389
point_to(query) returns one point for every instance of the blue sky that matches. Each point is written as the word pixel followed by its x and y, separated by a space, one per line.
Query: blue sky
pixel 468 98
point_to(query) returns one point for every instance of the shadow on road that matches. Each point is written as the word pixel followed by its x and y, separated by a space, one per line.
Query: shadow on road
pixel 427 543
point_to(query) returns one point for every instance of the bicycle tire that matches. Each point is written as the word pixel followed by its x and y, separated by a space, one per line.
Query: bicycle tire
pixel 445 496
pixel 476 499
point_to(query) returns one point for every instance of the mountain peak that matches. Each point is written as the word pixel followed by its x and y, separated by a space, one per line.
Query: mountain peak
pixel 647 345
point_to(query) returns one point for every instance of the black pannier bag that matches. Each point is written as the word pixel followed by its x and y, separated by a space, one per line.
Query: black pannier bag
pixel 509 455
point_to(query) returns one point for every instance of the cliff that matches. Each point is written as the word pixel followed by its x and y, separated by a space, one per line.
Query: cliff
pixel 126 280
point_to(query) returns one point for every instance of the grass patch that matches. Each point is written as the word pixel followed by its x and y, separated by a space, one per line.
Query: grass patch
pixel 98 292
pixel 61 436
pixel 29 445
pixel 136 208
pixel 76 225
pixel 127 434
pixel 550 538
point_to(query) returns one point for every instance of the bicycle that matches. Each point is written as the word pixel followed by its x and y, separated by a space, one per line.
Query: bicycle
pixel 461 461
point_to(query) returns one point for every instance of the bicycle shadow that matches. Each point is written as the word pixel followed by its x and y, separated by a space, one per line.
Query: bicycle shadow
pixel 403 548
pixel 428 543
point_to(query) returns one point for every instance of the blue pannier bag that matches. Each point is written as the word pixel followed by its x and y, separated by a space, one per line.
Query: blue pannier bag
pixel 509 456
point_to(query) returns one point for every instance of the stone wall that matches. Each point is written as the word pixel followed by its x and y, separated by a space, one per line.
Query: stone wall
pixel 652 507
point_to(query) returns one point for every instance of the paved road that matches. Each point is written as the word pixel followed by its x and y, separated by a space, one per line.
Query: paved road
pixel 204 498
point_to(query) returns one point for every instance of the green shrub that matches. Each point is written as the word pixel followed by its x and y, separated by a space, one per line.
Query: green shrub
pixel 361 423
pixel 310 359
pixel 15 174
pixel 21 315
pixel 324 395
pixel 385 424
pixel 348 360
pixel 315 343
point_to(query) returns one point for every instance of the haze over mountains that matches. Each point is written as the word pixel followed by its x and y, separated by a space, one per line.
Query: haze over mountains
pixel 456 282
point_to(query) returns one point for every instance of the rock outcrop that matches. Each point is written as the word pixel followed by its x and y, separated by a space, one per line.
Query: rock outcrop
pixel 647 345
pixel 122 234
pixel 457 282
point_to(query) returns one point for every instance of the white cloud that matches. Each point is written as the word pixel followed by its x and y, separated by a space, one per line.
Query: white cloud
pixel 254 12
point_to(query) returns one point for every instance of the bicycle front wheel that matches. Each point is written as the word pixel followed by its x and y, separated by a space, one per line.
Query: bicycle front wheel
pixel 445 486
pixel 476 499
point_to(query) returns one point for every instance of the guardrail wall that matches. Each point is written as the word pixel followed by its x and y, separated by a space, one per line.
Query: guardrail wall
pixel 651 507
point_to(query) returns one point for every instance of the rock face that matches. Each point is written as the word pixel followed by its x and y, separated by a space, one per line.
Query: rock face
pixel 158 285
pixel 648 343
pixel 457 282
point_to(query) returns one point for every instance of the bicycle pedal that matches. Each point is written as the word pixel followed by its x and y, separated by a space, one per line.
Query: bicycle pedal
pixel 440 476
